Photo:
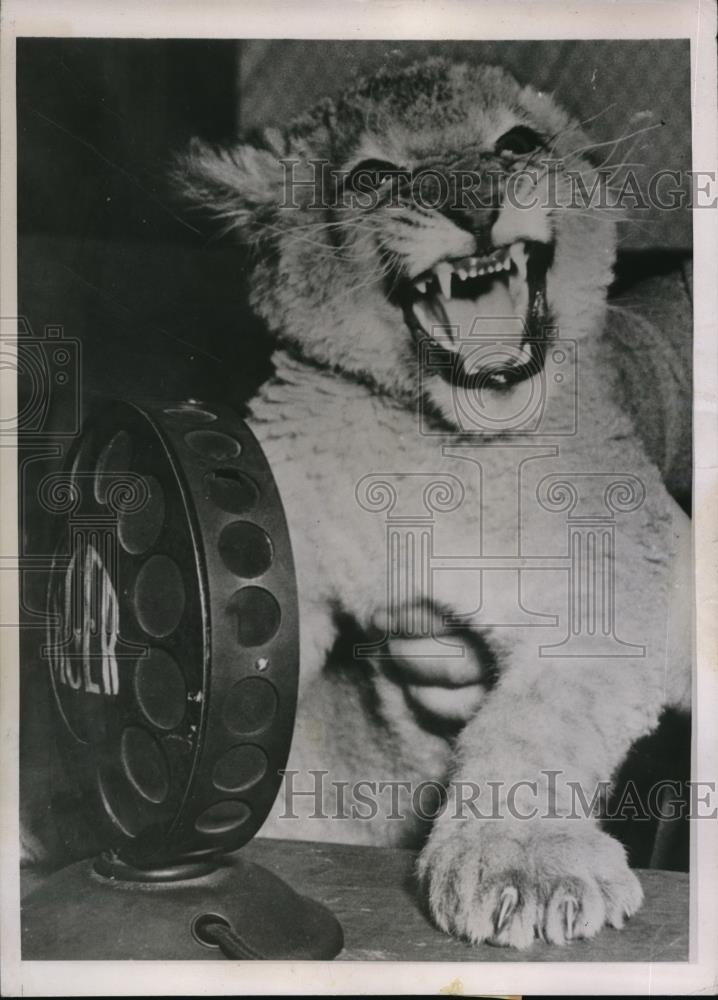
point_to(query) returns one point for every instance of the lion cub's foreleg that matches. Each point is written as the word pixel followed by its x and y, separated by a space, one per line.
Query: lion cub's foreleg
pixel 531 862
pixel 530 859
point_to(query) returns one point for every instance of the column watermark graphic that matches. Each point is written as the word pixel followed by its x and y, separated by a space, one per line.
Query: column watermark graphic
pixel 587 559
pixel 84 642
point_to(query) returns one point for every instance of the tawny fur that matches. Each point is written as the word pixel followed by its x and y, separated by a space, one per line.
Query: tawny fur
pixel 344 404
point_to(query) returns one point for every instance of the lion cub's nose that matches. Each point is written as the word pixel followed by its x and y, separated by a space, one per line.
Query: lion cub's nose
pixel 477 221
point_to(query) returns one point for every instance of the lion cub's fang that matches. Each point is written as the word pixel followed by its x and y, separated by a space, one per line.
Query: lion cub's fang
pixel 507 905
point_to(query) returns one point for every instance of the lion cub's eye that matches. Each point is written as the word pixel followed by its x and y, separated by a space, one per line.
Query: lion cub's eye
pixel 518 141
pixel 370 174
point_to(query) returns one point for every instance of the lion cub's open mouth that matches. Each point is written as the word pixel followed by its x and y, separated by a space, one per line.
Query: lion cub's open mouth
pixel 487 314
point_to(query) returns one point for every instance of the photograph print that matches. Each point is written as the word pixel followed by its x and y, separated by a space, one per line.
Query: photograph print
pixel 355 470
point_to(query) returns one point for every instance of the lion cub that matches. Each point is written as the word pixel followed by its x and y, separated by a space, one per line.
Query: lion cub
pixel 484 552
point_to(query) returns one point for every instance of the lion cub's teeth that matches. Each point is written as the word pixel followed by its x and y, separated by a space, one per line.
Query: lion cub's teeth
pixel 420 286
pixel 482 270
pixel 473 270
pixel 462 273
pixel 507 264
pixel 443 273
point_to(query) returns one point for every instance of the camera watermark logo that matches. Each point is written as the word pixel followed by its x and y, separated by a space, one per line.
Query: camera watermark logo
pixel 46 370
pixel 471 366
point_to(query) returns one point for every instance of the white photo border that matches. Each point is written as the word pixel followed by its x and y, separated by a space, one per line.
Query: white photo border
pixel 387 19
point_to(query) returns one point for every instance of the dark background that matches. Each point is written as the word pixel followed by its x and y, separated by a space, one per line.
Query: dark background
pixel 155 301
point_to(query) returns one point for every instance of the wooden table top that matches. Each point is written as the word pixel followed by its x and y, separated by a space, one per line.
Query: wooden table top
pixel 372 893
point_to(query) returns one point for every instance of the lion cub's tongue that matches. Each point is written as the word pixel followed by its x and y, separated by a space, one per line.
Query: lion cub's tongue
pixel 456 319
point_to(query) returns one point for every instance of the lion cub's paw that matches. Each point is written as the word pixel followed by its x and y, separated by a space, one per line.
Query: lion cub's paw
pixel 510 886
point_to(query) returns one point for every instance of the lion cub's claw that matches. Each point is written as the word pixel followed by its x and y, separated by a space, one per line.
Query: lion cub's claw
pixel 509 890
pixel 509 899
pixel 570 907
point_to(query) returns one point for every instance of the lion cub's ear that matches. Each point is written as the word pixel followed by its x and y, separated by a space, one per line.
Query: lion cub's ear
pixel 232 184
